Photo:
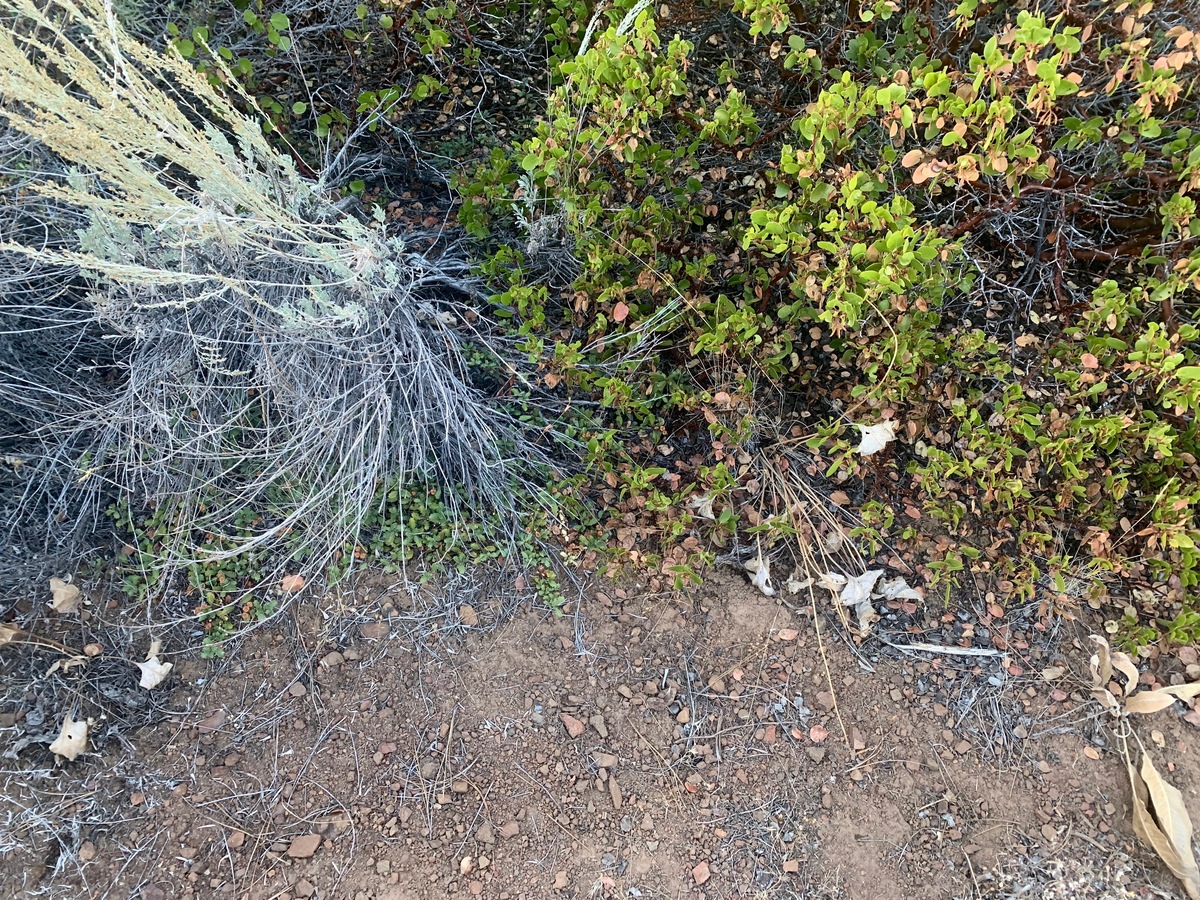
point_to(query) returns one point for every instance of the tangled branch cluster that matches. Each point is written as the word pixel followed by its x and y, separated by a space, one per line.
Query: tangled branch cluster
pixel 190 323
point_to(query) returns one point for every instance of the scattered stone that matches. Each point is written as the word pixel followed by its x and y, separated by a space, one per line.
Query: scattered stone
pixel 304 888
pixel 560 880
pixel 236 840
pixel 297 689
pixel 816 754
pixel 374 631
pixel 212 722
pixel 460 787
pixel 684 716
pixel 962 747
pixel 1050 833
pixel 574 727
pixel 467 614
pixel 510 830
pixel 304 846
pixel 87 852
pixel 604 760
pixel 791 866
pixel 614 791
pixel 647 823
pixel 484 835
pixel 383 867
pixel 626 824
pixel 597 722
pixel 332 660
pixel 701 873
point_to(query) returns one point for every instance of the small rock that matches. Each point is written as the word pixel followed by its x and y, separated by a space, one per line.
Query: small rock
pixel 152 892
pixel 87 852
pixel 476 888
pixel 236 840
pixel 484 835
pixel 685 716
pixel 212 722
pixel 304 846
pixel 297 689
pixel 460 787
pixel 626 824
pixel 701 873
pixel 597 722
pixel 510 830
pixel 962 747
pixel 574 727
pixel 304 888
pixel 560 880
pixel 647 823
pixel 332 660
pixel 816 754
pixel 791 866
pixel 1049 832
pixel 468 616
pixel 604 760
pixel 614 791
pixel 374 631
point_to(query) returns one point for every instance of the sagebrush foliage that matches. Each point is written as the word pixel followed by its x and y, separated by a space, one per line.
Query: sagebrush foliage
pixel 276 360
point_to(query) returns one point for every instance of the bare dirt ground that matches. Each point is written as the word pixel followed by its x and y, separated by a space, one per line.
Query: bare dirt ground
pixel 721 744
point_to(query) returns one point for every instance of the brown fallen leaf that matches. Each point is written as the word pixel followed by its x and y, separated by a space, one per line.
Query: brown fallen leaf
pixel 64 596
pixel 1161 820
pixel 292 583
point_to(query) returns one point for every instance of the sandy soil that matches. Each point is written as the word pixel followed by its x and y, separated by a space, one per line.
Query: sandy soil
pixel 381 745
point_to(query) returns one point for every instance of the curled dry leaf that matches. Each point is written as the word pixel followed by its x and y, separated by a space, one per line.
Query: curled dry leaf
pixel 1053 673
pixel 1148 702
pixel 71 740
pixel 860 587
pixel 8 634
pixel 876 437
pixel 1161 821
pixel 153 669
pixel 760 574
pixel 64 596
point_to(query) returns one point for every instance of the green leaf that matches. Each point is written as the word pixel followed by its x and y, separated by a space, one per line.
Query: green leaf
pixel 280 22
pixel 1188 373
pixel 298 108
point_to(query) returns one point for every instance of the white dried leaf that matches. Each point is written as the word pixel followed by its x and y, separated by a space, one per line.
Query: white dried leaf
pixel 896 589
pixel 860 587
pixel 876 437
pixel 71 740
pixel 1161 820
pixel 833 581
pixel 760 574
pixel 1053 673
pixel 794 586
pixel 64 596
pixel 703 506
pixel 866 615
pixel 153 669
